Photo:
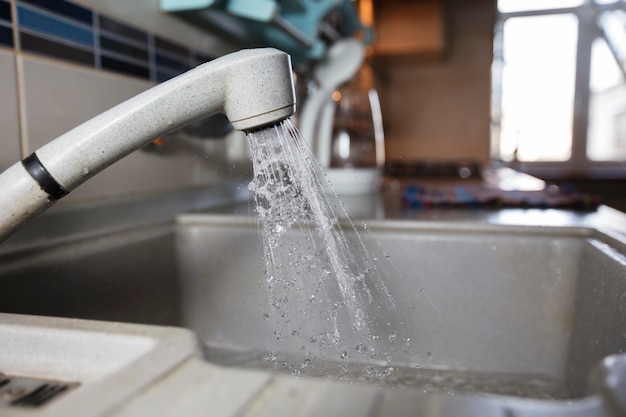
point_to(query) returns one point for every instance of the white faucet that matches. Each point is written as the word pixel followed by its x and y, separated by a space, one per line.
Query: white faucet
pixel 254 88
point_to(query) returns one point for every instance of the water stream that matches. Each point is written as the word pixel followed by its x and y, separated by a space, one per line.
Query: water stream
pixel 325 293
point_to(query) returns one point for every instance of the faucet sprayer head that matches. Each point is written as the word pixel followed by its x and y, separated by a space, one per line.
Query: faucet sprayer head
pixel 260 89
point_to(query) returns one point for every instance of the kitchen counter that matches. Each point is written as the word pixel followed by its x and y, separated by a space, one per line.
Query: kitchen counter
pixel 388 205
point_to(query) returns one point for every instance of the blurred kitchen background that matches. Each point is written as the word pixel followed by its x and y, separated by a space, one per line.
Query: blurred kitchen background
pixel 464 85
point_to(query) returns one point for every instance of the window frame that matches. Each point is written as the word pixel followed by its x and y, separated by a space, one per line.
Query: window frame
pixel 578 165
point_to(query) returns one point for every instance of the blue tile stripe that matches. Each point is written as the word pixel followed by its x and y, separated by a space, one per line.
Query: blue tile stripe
pixel 125 67
pixel 51 48
pixel 6 36
pixel 63 30
pixel 166 47
pixel 172 64
pixel 120 47
pixel 6 28
pixel 54 27
pixel 63 8
pixel 117 28
pixel 5 12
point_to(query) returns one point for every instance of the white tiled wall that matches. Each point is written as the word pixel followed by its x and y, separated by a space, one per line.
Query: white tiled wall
pixel 84 94
pixel 56 96
pixel 9 118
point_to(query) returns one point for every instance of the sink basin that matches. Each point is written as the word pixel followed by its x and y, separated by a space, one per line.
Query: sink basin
pixel 511 310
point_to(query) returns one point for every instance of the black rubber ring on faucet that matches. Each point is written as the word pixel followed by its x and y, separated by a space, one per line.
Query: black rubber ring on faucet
pixel 46 181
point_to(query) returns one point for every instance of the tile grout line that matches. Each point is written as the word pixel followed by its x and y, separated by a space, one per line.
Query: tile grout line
pixel 97 51
pixel 19 82
pixel 152 58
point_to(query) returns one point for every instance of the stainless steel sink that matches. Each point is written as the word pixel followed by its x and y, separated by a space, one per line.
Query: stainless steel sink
pixel 511 310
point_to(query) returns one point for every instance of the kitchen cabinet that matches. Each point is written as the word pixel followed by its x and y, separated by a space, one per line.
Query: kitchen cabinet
pixel 414 28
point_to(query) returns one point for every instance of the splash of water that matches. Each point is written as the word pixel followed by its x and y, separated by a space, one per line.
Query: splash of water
pixel 324 290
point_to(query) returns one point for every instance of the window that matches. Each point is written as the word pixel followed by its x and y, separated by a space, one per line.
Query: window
pixel 507 6
pixel 606 139
pixel 559 87
pixel 538 87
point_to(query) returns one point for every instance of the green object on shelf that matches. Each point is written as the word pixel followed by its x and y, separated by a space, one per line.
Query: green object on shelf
pixel 294 26
pixel 178 5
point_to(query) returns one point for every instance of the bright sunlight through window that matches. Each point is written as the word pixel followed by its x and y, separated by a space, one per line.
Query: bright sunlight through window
pixel 538 87
pixel 559 85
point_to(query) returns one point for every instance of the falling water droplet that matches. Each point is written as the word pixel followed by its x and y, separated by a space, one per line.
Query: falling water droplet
pixel 289 195
pixel 361 348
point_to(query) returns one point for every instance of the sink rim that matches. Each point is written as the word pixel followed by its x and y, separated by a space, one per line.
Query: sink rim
pixel 130 369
